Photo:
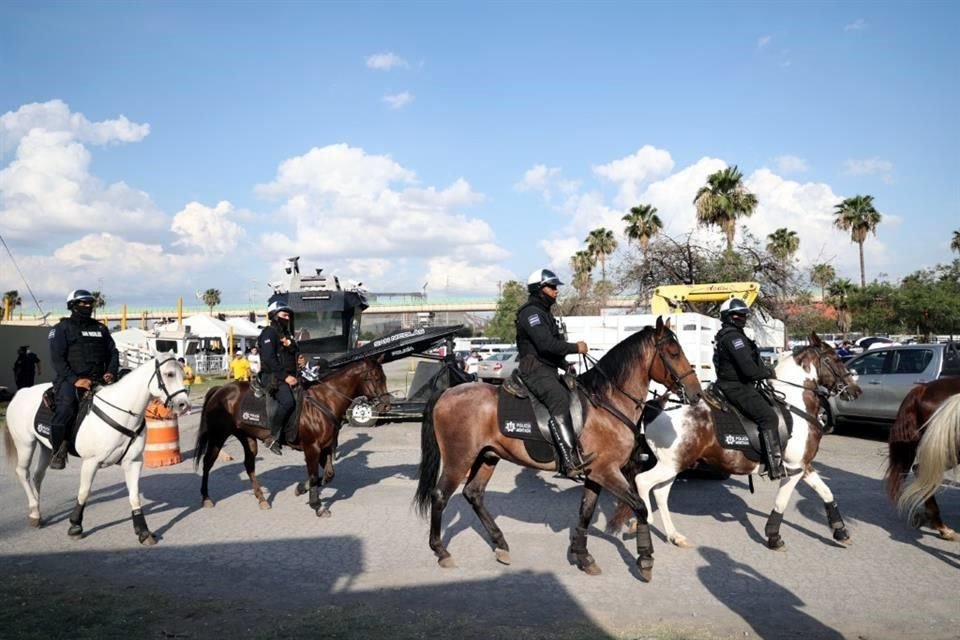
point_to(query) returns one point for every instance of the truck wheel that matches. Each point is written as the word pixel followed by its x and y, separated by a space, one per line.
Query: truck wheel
pixel 826 417
pixel 361 414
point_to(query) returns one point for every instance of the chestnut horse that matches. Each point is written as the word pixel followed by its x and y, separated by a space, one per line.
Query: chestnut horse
pixel 680 438
pixel 321 415
pixel 920 407
pixel 460 431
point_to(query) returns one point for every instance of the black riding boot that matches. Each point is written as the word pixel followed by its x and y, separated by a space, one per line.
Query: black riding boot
pixel 771 449
pixel 572 460
pixel 276 428
pixel 58 445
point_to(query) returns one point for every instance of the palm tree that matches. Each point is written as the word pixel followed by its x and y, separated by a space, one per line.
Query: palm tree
pixel 723 201
pixel 858 216
pixel 99 301
pixel 822 274
pixel 581 264
pixel 600 244
pixel 11 300
pixel 783 243
pixel 642 224
pixel 955 243
pixel 211 298
pixel 839 289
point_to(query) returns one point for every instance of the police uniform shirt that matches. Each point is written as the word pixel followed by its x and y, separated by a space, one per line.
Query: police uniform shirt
pixel 539 335
pixel 276 358
pixel 82 348
pixel 737 357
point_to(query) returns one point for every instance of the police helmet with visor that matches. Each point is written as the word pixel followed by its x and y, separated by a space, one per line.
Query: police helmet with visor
pixel 79 295
pixel 542 278
pixel 733 307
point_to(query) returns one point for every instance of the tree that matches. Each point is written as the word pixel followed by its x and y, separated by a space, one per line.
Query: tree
pixel 504 322
pixel 723 201
pixel 11 300
pixel 783 243
pixel 839 290
pixel 955 243
pixel 600 244
pixel 581 264
pixel 99 301
pixel 822 275
pixel 643 223
pixel 211 298
pixel 858 216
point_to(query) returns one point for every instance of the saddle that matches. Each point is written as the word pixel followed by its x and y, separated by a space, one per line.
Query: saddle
pixel 736 431
pixel 520 415
pixel 256 407
pixel 44 416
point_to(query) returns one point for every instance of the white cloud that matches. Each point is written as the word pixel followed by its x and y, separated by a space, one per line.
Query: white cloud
pixel 791 164
pixel 47 188
pixel 398 100
pixel 210 230
pixel 537 178
pixel 347 206
pixel 764 41
pixel 630 172
pixel 867 166
pixel 386 61
pixel 453 276
pixel 857 25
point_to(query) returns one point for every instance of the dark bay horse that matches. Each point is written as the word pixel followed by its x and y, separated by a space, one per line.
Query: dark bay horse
pixel 460 431
pixel 914 428
pixel 680 438
pixel 323 406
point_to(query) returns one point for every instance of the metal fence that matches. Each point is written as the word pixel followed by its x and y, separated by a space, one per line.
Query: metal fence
pixel 211 364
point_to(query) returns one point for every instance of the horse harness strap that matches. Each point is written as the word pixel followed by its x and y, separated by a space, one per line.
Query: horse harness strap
pixel 601 403
pixel 322 407
pixel 131 435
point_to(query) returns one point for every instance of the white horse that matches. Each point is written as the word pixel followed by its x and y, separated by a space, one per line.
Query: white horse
pixel 112 433
pixel 680 438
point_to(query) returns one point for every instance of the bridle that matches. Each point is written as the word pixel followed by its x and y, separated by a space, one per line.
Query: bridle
pixel 837 388
pixel 163 386
pixel 370 377
pixel 677 387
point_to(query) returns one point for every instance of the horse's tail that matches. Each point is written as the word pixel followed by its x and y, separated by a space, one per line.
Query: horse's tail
pixel 903 441
pixel 429 458
pixel 938 452
pixel 203 433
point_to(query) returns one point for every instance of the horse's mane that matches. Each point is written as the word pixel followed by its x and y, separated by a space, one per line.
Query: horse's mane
pixel 616 366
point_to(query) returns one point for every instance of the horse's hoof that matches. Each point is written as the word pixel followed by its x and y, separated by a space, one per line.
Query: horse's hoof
pixel 75 531
pixel 447 563
pixel 646 575
pixel 208 503
pixel 147 539
pixel 323 512
pixel 591 569
pixel 949 534
pixel 300 490
pixel 776 544
pixel 503 556
pixel 841 536
pixel 34 522
pixel 264 505
pixel 681 541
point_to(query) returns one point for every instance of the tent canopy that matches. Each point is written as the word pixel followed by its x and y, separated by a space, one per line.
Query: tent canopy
pixel 204 326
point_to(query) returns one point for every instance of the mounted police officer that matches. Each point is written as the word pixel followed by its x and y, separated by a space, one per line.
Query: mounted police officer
pixel 279 359
pixel 542 349
pixel 83 354
pixel 739 369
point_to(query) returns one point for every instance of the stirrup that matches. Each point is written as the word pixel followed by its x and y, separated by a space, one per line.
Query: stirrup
pixel 274 445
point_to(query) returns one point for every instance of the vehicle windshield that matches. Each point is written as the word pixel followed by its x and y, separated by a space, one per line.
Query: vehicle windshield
pixel 319 324
pixel 503 355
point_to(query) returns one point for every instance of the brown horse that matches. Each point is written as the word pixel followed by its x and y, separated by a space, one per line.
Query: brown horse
pixel 679 439
pixel 460 431
pixel 323 406
pixel 906 435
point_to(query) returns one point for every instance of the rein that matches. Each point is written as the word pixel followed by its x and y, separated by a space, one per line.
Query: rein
pixel 325 410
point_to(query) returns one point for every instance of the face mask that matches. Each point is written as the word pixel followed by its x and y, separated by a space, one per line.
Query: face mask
pixel 738 321
pixel 83 312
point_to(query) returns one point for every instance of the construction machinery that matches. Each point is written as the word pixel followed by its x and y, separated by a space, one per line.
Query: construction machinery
pixel 674 298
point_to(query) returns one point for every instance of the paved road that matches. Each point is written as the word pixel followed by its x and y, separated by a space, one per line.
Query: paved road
pixel 891 582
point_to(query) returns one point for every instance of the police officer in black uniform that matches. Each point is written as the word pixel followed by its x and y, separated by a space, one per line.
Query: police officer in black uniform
pixel 83 354
pixel 542 349
pixel 279 361
pixel 739 369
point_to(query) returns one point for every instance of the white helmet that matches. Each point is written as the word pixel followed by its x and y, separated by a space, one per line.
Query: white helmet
pixel 732 306
pixel 78 295
pixel 276 306
pixel 542 278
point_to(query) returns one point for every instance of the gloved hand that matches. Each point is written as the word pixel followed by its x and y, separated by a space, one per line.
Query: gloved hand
pixel 290 380
pixel 771 373
pixel 581 347
pixel 108 378
pixel 83 383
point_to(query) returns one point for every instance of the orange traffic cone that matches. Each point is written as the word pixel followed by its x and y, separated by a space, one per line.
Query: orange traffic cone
pixel 162 447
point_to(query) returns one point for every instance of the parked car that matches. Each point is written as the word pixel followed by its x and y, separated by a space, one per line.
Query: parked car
pixel 887 373
pixel 497 367
pixel 769 355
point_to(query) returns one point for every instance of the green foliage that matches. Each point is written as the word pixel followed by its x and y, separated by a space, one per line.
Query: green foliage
pixel 643 223
pixel 822 275
pixel 858 216
pixel 600 244
pixel 783 243
pixel 211 298
pixel 723 201
pixel 955 243
pixel 504 322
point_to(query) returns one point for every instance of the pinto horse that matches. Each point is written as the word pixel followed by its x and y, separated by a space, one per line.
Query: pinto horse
pixel 112 433
pixel 460 431
pixel 930 445
pixel 680 438
pixel 321 416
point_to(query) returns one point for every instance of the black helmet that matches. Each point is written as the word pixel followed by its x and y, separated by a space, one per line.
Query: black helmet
pixel 542 278
pixel 78 295
pixel 733 306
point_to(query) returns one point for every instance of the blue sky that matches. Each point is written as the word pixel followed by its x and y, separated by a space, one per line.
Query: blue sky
pixel 483 142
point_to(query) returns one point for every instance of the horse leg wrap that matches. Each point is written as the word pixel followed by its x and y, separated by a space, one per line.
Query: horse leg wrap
pixel 139 522
pixel 314 496
pixel 76 516
pixel 578 543
pixel 772 530
pixel 836 522
pixel 644 541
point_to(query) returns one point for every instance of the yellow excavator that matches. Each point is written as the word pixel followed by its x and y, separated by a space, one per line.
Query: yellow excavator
pixel 674 298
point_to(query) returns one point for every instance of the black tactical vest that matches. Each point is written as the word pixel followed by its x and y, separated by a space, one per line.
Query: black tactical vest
pixel 87 352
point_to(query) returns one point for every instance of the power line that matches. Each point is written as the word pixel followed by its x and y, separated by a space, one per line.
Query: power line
pixel 22 277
